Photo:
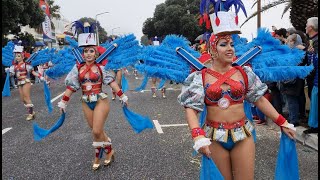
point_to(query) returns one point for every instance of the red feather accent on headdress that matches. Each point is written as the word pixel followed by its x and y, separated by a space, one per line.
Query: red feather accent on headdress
pixel 208 24
pixel 101 49
pixel 237 20
pixel 217 21
pixel 206 20
pixel 200 21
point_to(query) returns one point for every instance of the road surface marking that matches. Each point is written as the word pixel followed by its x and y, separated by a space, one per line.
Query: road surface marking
pixel 52 100
pixel 173 125
pixel 158 126
pixel 6 130
pixel 168 89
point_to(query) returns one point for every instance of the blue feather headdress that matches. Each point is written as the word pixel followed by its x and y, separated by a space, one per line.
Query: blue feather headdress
pixel 81 28
pixel 218 5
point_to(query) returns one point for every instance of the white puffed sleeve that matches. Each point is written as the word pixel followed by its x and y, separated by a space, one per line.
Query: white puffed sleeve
pixel 72 79
pixel 192 93
pixel 256 88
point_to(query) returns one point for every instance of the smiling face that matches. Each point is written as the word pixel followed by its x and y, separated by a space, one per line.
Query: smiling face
pixel 89 53
pixel 225 50
pixel 18 57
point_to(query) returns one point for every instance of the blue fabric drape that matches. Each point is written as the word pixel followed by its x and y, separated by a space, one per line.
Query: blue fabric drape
pixel 47 96
pixel 287 167
pixel 40 133
pixel 137 121
pixel 6 87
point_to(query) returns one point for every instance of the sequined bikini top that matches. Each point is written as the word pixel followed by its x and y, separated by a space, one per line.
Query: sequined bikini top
pixel 216 96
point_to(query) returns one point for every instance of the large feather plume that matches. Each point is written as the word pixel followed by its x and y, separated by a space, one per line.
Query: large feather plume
pixel 126 54
pixel 44 56
pixel 276 62
pixel 7 54
pixel 163 62
pixel 63 62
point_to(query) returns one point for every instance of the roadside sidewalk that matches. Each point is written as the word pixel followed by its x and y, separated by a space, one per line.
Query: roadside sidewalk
pixel 310 140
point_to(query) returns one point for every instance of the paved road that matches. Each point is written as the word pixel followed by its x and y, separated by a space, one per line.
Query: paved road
pixel 68 154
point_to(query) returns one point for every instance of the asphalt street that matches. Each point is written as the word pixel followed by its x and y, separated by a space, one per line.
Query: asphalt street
pixel 154 154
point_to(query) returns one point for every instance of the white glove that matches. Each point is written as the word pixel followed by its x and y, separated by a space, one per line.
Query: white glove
pixel 124 99
pixel 62 106
pixel 42 79
pixel 199 143
pixel 7 69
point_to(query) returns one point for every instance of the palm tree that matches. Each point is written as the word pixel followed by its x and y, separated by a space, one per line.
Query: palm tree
pixel 300 11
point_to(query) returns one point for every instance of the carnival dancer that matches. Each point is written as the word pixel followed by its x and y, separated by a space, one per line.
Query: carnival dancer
pixel 22 71
pixel 226 135
pixel 156 42
pixel 90 76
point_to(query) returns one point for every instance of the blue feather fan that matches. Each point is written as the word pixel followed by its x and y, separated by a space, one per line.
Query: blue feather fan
pixel 163 62
pixel 7 54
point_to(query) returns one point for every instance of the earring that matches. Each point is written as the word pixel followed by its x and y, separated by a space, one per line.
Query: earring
pixel 214 55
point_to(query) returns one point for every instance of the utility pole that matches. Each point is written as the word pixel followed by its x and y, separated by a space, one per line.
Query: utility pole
pixel 98 27
pixel 259 14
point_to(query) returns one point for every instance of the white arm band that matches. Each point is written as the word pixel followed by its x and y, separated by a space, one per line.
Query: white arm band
pixel 124 98
pixel 62 105
pixel 199 143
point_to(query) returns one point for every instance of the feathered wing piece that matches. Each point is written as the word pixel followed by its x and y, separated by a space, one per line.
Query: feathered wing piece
pixel 276 62
pixel 7 54
pixel 63 62
pixel 43 56
pixel 163 62
pixel 72 42
pixel 126 54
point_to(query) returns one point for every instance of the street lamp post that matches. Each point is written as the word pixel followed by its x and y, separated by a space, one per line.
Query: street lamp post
pixel 113 29
pixel 98 27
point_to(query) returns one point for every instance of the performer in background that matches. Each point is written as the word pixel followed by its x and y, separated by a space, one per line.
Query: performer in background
pixel 90 76
pixel 22 71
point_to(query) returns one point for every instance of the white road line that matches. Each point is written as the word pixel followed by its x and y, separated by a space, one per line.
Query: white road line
pixel 158 126
pixel 168 89
pixel 6 130
pixel 52 100
pixel 173 125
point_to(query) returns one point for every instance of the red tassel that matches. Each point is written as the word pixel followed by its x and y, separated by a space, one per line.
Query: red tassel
pixel 200 21
pixel 237 20
pixel 208 24
pixel 217 21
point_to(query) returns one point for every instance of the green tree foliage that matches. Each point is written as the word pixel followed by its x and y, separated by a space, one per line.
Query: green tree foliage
pixel 16 13
pixel 175 17
pixel 144 40
pixel 27 40
pixel 103 35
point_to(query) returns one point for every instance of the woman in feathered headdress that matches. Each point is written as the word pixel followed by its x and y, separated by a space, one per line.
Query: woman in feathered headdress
pixel 89 76
pixel 22 70
pixel 227 134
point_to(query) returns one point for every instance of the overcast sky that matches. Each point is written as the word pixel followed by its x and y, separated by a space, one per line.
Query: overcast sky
pixel 127 16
